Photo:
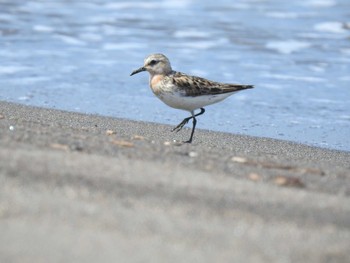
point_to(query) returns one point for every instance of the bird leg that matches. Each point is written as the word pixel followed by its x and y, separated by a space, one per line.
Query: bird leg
pixel 182 124
pixel 186 120
pixel 194 122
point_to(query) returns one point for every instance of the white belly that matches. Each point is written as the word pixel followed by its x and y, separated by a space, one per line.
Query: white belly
pixel 178 101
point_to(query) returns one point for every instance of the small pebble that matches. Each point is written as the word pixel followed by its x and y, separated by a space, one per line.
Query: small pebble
pixel 12 128
pixel 59 146
pixel 192 154
pixel 254 177
pixel 2 116
pixel 288 181
pixel 238 159
pixel 123 143
pixel 167 143
pixel 110 132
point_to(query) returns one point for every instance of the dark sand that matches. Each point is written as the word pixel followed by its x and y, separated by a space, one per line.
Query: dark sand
pixel 72 193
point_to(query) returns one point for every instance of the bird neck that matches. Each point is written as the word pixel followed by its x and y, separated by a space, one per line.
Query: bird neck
pixel 155 79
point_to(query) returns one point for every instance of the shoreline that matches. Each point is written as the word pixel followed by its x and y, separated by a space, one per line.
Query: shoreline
pixel 119 184
pixel 187 127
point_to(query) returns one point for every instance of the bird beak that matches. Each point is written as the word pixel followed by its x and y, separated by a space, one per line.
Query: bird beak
pixel 138 71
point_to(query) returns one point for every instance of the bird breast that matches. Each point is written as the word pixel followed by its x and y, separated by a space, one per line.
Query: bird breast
pixel 156 84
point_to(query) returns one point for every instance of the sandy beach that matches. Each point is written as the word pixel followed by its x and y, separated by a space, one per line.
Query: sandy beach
pixel 86 188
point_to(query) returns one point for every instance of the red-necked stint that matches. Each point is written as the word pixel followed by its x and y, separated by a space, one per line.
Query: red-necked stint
pixel 182 91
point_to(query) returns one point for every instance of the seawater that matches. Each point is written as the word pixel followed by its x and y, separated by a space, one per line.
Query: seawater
pixel 77 56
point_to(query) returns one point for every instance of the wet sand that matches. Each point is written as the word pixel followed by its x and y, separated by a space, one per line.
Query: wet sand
pixel 85 188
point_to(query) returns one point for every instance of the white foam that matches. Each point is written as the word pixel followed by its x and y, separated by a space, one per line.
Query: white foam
pixel 344 78
pixel 43 28
pixel 288 46
pixel 121 46
pixel 283 15
pixel 289 77
pixel 11 69
pixel 175 3
pixel 205 44
pixel 191 33
pixel 271 86
pixel 29 80
pixel 317 68
pixel 90 37
pixel 71 40
pixel 128 5
pixel 68 69
pixel 325 101
pixel 344 117
pixel 24 98
pixel 101 19
pixel 330 27
pixel 104 62
pixel 7 17
pixel 320 3
pixel 148 5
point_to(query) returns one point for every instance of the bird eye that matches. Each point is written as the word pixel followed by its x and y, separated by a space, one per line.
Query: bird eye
pixel 153 62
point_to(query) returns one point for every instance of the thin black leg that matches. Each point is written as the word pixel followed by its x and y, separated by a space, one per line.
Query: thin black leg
pixel 186 120
pixel 194 122
pixel 200 113
pixel 182 124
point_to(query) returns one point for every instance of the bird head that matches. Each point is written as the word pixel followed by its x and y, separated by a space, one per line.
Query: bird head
pixel 155 64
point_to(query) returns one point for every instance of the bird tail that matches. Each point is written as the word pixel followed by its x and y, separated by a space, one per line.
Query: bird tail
pixel 237 87
pixel 246 86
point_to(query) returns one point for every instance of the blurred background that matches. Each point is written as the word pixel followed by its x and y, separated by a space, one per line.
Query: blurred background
pixel 77 56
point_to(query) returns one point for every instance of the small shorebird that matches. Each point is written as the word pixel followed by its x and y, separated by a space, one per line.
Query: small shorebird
pixel 182 91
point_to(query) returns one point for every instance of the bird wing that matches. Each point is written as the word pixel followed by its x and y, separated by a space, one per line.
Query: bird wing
pixel 195 86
